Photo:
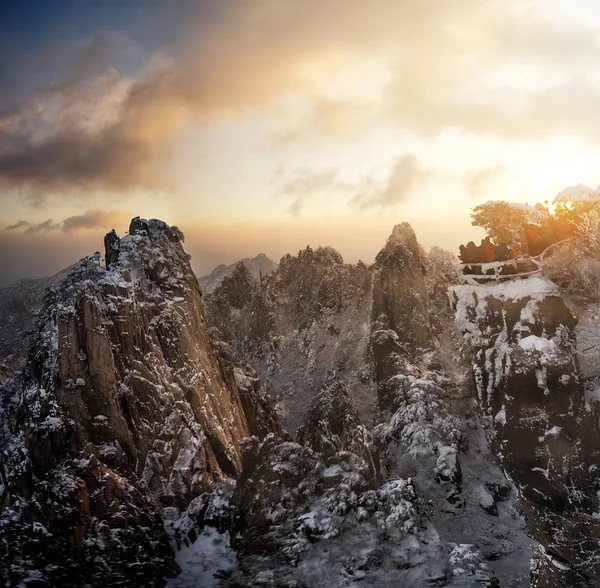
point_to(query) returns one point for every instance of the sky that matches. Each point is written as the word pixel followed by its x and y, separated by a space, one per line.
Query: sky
pixel 268 125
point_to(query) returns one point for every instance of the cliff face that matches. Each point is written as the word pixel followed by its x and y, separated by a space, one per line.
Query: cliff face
pixel 133 410
pixel 527 383
pixel 125 409
pixel 400 317
pixel 20 306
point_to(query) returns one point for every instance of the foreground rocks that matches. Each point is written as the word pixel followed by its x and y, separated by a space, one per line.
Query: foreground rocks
pixel 125 409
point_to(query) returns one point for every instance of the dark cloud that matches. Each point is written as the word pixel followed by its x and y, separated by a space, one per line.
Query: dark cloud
pixel 30 228
pixel 93 125
pixel 18 225
pixel 91 219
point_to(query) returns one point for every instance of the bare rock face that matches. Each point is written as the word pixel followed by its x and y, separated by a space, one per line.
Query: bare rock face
pixel 527 382
pixel 400 318
pixel 400 298
pixel 125 409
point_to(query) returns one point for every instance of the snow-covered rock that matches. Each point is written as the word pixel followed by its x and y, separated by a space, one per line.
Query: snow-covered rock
pixel 258 267
pixel 125 409
pixel 526 377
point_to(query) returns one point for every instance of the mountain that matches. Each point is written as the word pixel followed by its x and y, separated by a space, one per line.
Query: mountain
pixel 350 353
pixel 126 411
pixel 258 266
pixel 20 306
pixel 330 424
pixel 529 386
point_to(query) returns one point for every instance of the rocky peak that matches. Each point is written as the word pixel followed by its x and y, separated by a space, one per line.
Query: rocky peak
pixel 400 299
pixel 238 288
pixel 403 239
pixel 259 267
pixel 125 409
pixel 401 329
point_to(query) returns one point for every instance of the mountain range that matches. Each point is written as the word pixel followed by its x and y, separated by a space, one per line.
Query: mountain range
pixel 306 423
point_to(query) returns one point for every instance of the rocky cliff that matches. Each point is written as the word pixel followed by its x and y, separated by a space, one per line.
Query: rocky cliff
pixel 528 385
pixel 126 413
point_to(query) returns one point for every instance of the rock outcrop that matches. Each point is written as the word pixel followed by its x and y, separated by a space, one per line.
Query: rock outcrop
pixel 111 248
pixel 400 298
pixel 527 383
pixel 332 424
pixel 125 410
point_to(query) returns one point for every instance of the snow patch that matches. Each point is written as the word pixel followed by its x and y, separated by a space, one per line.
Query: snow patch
pixel 205 562
pixel 531 343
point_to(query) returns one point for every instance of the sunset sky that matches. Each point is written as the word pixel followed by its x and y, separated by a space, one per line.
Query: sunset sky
pixel 266 125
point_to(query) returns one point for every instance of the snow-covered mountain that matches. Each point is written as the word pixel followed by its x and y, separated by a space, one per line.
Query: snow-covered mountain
pixel 125 415
pixel 141 442
pixel 354 351
pixel 258 266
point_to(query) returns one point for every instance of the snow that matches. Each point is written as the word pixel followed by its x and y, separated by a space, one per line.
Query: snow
pixel 533 214
pixel 541 344
pixel 513 290
pixel 554 432
pixel 557 564
pixel 579 193
pixel 201 562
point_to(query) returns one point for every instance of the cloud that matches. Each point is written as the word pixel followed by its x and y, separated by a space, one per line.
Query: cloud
pixel 303 185
pixel 18 225
pixel 477 182
pixel 330 118
pixel 490 70
pixel 91 219
pixel 405 175
pixel 30 228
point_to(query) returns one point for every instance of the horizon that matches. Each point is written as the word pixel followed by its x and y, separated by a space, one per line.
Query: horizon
pixel 201 265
